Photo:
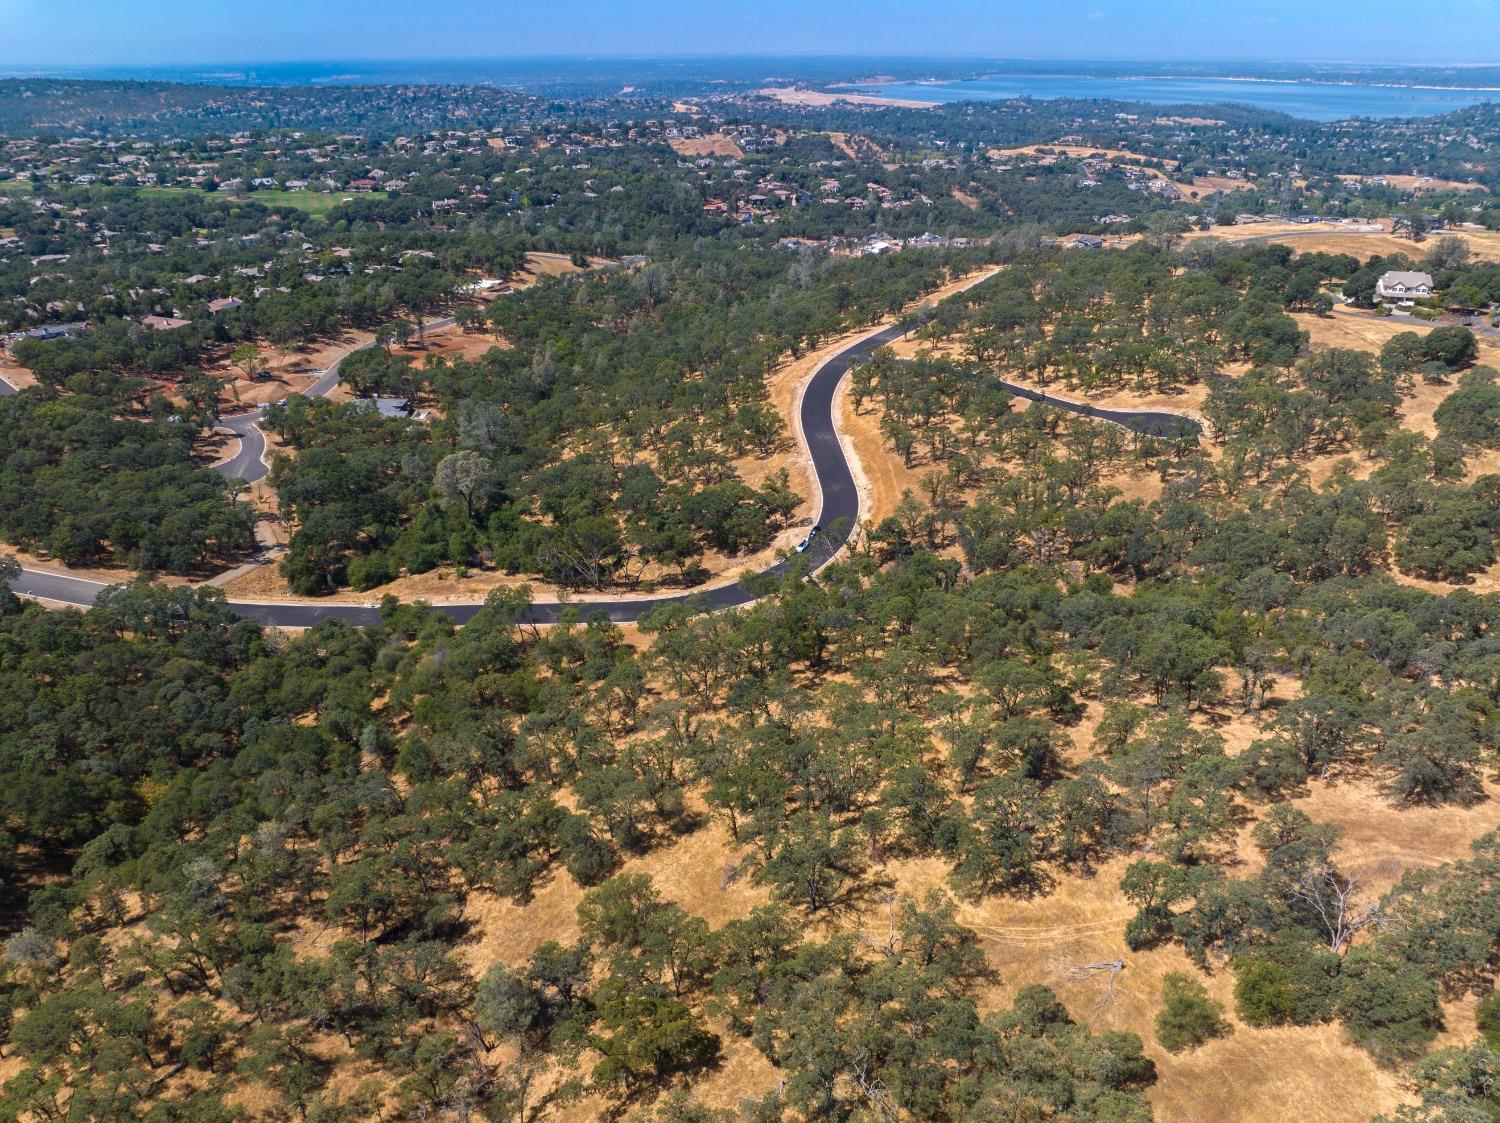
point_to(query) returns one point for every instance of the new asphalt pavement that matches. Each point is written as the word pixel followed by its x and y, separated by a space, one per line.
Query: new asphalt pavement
pixel 838 504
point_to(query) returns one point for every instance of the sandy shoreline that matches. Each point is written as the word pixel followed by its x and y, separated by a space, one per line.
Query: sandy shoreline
pixel 792 95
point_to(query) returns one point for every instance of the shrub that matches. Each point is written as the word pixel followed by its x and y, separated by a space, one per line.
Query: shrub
pixel 1188 1017
pixel 1448 542
pixel 1389 1008
pixel 1487 1018
pixel 370 571
pixel 1471 414
pixel 1452 346
pixel 1263 994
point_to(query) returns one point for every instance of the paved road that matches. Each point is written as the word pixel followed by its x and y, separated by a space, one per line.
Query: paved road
pixel 1149 423
pixel 249 462
pixel 838 511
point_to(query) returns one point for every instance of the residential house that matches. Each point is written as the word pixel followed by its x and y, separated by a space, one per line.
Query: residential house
pixel 163 323
pixel 1403 285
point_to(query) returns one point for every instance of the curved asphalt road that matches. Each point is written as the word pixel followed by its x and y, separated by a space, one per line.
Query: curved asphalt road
pixel 838 504
pixel 248 463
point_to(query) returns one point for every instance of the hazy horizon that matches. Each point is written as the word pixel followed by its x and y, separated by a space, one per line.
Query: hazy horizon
pixel 125 33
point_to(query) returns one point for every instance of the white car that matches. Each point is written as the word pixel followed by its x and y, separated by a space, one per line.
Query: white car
pixel 806 542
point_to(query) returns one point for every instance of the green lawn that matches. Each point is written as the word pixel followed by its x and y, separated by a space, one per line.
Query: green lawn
pixel 15 187
pixel 313 202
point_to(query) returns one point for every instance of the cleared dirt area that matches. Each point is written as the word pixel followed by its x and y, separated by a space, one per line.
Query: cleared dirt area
pixel 17 375
pixel 714 144
pixel 1080 151
pixel 1419 183
pixel 540 264
pixel 857 147
pixel 1208 184
pixel 1363 241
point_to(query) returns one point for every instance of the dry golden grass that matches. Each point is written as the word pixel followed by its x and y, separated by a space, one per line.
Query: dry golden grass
pixel 1484 245
pixel 1380 839
pixel 1420 183
pixel 1208 184
pixel 857 147
pixel 1251 1075
pixel 879 474
pixel 1365 331
pixel 1273 1076
pixel 714 144
pixel 1248 1077
pixel 1193 188
pixel 695 871
pixel 18 376
pixel 882 478
pixel 1078 151
pixel 1187 400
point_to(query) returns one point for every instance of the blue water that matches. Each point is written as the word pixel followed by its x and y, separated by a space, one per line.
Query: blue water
pixel 1313 101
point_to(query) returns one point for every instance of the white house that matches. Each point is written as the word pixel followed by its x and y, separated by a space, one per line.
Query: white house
pixel 1404 285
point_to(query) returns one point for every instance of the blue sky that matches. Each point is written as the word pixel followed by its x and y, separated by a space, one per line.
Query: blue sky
pixel 125 32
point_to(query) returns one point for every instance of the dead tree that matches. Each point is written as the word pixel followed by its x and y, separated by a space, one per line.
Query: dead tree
pixel 1110 971
pixel 1332 899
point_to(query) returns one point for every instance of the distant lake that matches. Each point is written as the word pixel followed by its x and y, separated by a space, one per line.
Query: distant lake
pixel 1313 101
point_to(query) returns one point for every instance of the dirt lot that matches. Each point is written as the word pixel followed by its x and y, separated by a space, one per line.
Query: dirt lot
pixel 18 376
pixel 714 144
pixel 1420 183
pixel 857 147
pixel 1363 244
pixel 1080 151
pixel 1207 184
